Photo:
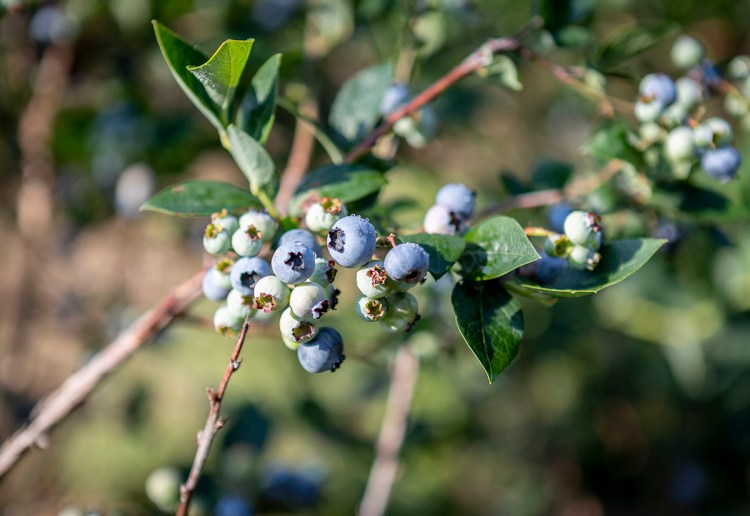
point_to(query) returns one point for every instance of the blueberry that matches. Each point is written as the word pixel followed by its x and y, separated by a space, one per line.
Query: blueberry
pixel 303 236
pixel 687 52
pixel 441 220
pixel 549 267
pixel 262 221
pixel 583 258
pixel 246 272
pixel 584 229
pixel 373 281
pixel 247 241
pixel 370 309
pixel 226 321
pixel 294 328
pixel 679 144
pixel 721 163
pixel 407 262
pixel 271 294
pixel 460 199
pixel 324 214
pixel 738 68
pixel 557 245
pixel 648 111
pixel 418 129
pixel 309 301
pixel 689 92
pixel 324 353
pixel 325 272
pixel 293 263
pixel 228 223
pixel 240 305
pixel 214 287
pixel 401 313
pixel 163 488
pixel 215 240
pixel 230 505
pixel 352 241
pixel 395 96
pixel 657 87
pixel 556 216
pixel 714 132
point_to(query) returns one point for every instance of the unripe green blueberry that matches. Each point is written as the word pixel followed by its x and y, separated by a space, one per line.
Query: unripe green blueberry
pixel 679 144
pixel 228 223
pixel 648 111
pixel 687 52
pixel 309 301
pixel 370 309
pixel 325 272
pixel 239 305
pixel 262 221
pixel 221 271
pixel 712 133
pixel 650 132
pixel 163 488
pixel 584 229
pixel 247 241
pixel 689 92
pixel 271 294
pixel 215 240
pixel 373 281
pixel 290 343
pixel 401 313
pixel 739 68
pixel 226 321
pixel 583 258
pixel 294 328
pixel 322 215
pixel 674 115
pixel 736 105
pixel 557 245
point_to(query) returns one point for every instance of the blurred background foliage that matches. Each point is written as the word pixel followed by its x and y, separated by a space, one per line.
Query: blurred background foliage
pixel 633 401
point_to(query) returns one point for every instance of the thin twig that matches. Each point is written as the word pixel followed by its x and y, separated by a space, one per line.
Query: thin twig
pixel 53 409
pixel 214 423
pixel 476 60
pixel 392 431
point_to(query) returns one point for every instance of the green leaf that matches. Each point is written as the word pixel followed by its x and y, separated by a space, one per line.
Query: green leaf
pixel 611 142
pixel 444 250
pixel 356 108
pixel 179 55
pixel 620 259
pixel 491 323
pixel 631 41
pixel 495 247
pixel 251 157
pixel 200 199
pixel 345 182
pixel 504 71
pixel 258 110
pixel 221 74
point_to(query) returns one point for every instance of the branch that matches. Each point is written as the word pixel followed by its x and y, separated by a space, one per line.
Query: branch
pixel 392 431
pixel 479 58
pixel 213 423
pixel 53 409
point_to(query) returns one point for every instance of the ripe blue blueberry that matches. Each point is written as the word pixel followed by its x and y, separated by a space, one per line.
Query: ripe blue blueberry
pixel 657 87
pixel 294 328
pixel 583 258
pixel 324 214
pixel 370 309
pixel 373 281
pixel 407 262
pixel 441 220
pixel 460 199
pixel 215 239
pixel 303 236
pixel 584 229
pixel 271 294
pixel 247 241
pixel 246 272
pixel 721 163
pixel 293 263
pixel 324 353
pixel 214 286
pixel 239 305
pixel 352 241
pixel 309 301
pixel 226 321
pixel 556 216
pixel 262 221
pixel 232 505
pixel 549 267
pixel 395 96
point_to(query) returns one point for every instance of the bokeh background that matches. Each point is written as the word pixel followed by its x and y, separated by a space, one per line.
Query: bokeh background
pixel 634 401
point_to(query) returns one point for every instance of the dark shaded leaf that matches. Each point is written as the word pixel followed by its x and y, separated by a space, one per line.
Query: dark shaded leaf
pixel 444 250
pixel 631 41
pixel 257 112
pixel 356 108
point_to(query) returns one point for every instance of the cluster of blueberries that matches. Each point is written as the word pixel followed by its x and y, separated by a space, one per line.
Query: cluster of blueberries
pixel 299 280
pixel 576 247
pixel 669 110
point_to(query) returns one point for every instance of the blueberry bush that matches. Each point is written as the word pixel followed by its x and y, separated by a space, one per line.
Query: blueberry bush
pixel 354 255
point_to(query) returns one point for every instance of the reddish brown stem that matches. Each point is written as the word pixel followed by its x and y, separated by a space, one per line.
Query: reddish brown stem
pixel 214 423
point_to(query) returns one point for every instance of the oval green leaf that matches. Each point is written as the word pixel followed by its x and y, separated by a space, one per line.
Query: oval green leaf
pixel 356 108
pixel 444 250
pixel 491 323
pixel 200 199
pixel 257 111
pixel 495 247
pixel 251 157
pixel 620 259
